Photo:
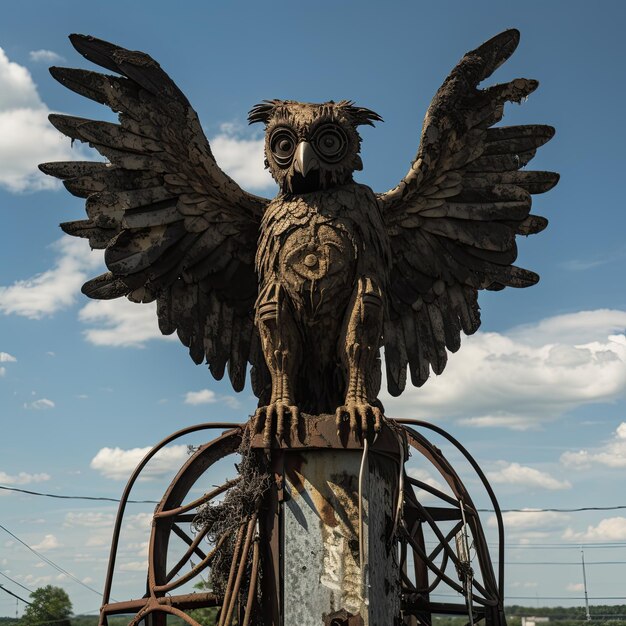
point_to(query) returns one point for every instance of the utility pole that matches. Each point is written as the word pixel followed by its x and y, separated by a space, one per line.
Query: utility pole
pixel 582 557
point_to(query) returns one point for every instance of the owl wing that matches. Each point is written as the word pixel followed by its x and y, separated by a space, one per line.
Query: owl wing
pixel 175 228
pixel 453 218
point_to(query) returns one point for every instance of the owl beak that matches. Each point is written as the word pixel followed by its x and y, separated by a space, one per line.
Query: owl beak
pixel 305 159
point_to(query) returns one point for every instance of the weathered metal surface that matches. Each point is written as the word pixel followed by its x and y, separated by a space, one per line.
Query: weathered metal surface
pixel 320 432
pixel 308 545
pixel 323 521
pixel 443 565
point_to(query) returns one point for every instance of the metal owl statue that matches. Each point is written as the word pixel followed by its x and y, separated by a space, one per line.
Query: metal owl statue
pixel 307 287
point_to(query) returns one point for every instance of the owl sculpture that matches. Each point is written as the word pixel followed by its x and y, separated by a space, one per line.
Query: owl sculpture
pixel 307 287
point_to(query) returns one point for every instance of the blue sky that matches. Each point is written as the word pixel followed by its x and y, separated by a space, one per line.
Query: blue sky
pixel 537 395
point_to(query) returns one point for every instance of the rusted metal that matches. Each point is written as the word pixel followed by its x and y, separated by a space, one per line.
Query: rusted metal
pixel 319 432
pixel 130 484
pixel 316 486
pixel 166 518
pixel 484 598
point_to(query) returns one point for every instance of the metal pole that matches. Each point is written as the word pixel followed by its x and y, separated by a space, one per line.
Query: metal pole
pixel 588 614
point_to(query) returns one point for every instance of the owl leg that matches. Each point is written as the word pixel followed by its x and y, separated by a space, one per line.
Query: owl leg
pixel 281 349
pixel 359 346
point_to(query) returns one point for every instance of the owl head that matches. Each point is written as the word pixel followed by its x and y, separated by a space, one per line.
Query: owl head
pixel 309 146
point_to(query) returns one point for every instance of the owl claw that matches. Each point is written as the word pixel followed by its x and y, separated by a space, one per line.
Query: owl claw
pixel 360 416
pixel 272 419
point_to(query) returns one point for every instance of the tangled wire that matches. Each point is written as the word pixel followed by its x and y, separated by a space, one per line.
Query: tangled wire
pixel 222 520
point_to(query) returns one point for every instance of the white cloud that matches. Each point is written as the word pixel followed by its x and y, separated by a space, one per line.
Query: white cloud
pixel 3 371
pixel 530 519
pixel 241 158
pixel 89 519
pixel 26 136
pixel 121 323
pixel 426 477
pixel 574 587
pixel 133 566
pixel 49 542
pixel 118 464
pixel 5 357
pixel 609 529
pixel 54 289
pixel 35 581
pixel 204 396
pixel 527 584
pixel 139 522
pixel 611 454
pixel 516 474
pixel 45 56
pixel 40 405
pixel 23 478
pixel 528 375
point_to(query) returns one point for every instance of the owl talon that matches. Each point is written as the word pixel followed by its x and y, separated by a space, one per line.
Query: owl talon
pixel 363 418
pixel 271 420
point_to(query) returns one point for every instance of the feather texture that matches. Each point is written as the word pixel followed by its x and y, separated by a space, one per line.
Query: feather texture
pixel 454 217
pixel 162 208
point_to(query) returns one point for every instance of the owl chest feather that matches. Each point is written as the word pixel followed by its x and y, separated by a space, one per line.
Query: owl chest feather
pixel 315 245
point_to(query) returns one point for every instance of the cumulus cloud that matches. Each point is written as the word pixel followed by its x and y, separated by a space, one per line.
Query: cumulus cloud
pixel 530 374
pixel 118 464
pixel 241 157
pixel 609 529
pixel 529 519
pixel 54 289
pixel 49 542
pixel 611 454
pixel 204 396
pixel 26 136
pixel 516 474
pixel 45 56
pixel 35 581
pixel 5 357
pixel 23 478
pixel 40 405
pixel 121 323
pixel 574 587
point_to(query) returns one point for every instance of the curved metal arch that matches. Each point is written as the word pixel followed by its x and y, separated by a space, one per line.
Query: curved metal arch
pixel 167 513
pixel 171 511
pixel 460 508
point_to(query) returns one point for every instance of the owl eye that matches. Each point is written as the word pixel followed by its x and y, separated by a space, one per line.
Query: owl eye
pixel 282 145
pixel 330 142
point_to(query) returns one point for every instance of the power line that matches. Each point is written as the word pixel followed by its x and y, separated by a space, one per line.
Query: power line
pixel 562 562
pixel 617 507
pixel 16 583
pixel 13 594
pixel 63 497
pixel 50 562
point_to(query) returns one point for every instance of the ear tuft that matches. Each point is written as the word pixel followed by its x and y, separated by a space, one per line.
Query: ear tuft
pixel 360 115
pixel 263 111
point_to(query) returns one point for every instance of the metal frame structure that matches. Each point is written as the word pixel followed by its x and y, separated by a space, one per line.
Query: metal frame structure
pixel 424 572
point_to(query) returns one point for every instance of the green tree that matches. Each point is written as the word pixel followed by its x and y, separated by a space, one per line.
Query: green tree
pixel 49 606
